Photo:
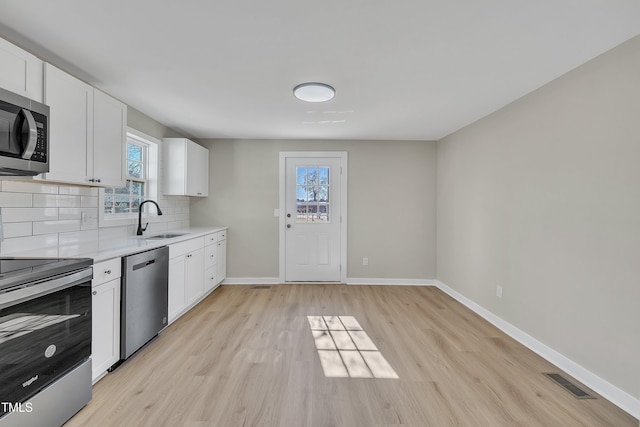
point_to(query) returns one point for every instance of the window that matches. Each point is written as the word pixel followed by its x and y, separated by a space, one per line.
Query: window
pixel 126 200
pixel 312 194
pixel 119 206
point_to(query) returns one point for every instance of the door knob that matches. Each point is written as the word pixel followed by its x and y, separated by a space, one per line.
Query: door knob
pixel 288 215
pixel 288 225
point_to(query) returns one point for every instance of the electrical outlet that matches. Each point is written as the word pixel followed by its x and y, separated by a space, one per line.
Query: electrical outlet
pixel 365 261
pixel 499 291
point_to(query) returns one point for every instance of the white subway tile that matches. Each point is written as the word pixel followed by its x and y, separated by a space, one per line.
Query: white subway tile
pixel 45 200
pixel 89 202
pixel 55 200
pixel 43 245
pixel 29 214
pixel 47 227
pixel 78 191
pixel 176 225
pixel 15 200
pixel 17 229
pixel 69 213
pixel 29 187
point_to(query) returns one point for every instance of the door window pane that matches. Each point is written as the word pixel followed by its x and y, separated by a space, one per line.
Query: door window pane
pixel 312 194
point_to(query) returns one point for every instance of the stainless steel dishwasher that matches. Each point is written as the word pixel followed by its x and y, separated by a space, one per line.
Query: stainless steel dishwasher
pixel 144 304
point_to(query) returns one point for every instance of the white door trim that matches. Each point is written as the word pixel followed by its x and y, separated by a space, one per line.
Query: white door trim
pixel 342 155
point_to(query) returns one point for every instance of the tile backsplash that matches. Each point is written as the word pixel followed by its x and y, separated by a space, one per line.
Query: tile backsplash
pixel 43 219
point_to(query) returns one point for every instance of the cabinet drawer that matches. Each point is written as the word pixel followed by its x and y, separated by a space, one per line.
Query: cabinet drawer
pixel 106 270
pixel 222 235
pixel 210 256
pixel 210 278
pixel 211 238
pixel 185 247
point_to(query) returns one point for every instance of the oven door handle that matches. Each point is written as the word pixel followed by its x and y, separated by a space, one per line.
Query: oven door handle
pixel 44 287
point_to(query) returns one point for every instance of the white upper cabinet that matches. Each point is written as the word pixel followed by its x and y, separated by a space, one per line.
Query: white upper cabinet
pixel 20 71
pixel 87 133
pixel 186 168
pixel 109 138
pixel 70 134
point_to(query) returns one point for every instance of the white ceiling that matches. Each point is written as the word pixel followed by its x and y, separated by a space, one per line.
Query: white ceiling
pixel 402 69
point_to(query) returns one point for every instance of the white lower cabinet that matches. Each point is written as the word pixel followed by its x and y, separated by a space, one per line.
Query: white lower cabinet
pixel 177 290
pixel 186 275
pixel 210 262
pixel 105 306
pixel 196 267
pixel 221 272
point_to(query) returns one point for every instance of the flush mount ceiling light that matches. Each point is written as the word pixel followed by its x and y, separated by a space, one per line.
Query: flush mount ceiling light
pixel 314 92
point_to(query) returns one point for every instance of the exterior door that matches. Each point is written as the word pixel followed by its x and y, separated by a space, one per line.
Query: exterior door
pixel 312 219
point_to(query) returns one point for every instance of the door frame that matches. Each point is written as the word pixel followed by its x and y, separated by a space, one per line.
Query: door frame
pixel 343 156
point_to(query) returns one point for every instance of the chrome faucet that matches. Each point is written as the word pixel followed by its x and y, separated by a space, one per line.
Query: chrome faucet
pixel 140 229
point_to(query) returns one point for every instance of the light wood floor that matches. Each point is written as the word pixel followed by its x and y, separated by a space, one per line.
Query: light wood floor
pixel 246 357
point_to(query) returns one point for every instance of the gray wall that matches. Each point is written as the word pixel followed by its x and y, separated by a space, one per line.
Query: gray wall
pixel 543 198
pixel 151 127
pixel 391 205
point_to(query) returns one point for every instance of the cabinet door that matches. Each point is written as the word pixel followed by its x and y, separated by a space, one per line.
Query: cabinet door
pixel 20 71
pixel 177 291
pixel 71 133
pixel 222 261
pixel 195 275
pixel 105 341
pixel 109 139
pixel 197 170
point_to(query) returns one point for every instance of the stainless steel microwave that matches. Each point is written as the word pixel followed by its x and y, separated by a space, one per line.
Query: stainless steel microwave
pixel 24 135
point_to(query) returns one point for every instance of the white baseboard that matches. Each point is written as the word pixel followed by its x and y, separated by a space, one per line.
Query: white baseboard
pixel 350 281
pixel 610 392
pixel 390 282
pixel 251 281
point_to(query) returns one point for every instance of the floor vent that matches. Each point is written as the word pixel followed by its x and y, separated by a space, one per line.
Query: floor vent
pixel 576 391
pixel 261 287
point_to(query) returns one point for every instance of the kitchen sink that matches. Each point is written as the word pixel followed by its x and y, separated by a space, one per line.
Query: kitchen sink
pixel 165 236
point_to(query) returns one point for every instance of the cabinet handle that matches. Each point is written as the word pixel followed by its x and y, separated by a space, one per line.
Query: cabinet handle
pixel 98 180
pixel 92 180
pixel 107 272
pixel 95 292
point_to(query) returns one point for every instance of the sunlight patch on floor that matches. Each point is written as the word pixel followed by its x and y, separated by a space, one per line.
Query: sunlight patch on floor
pixel 345 349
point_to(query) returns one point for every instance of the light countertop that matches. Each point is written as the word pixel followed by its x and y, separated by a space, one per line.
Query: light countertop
pixel 114 248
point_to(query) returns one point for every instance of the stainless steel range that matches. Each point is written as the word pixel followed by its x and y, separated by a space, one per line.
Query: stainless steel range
pixel 45 340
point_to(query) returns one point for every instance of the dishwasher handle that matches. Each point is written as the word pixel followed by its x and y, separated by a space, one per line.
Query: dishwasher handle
pixel 143 264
